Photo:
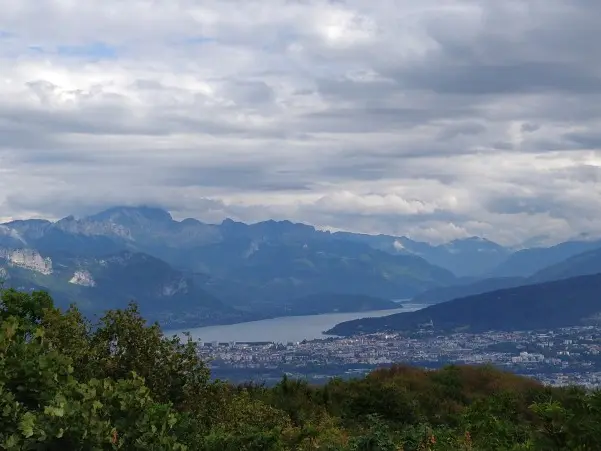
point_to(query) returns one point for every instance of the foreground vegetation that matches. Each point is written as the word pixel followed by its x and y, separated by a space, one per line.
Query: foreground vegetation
pixel 66 384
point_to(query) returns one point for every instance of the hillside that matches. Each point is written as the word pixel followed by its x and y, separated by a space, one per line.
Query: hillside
pixel 581 264
pixel 539 306
pixel 466 257
pixel 527 262
pixel 448 293
pixel 577 265
pixel 174 298
pixel 274 271
pixel 111 281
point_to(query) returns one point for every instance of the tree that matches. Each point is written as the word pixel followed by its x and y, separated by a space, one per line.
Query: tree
pixel 43 406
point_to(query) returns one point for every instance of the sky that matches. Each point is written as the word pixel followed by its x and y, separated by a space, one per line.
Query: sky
pixel 435 119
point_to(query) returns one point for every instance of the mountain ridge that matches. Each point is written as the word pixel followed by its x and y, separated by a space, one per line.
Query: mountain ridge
pixel 581 264
pixel 554 304
pixel 228 248
pixel 246 271
pixel 113 280
pixel 126 223
pixel 259 268
pixel 527 262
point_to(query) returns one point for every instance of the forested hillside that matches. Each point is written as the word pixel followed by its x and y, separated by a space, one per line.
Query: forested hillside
pixel 66 384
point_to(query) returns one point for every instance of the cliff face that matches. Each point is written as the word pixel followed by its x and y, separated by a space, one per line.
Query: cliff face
pixel 83 278
pixel 28 259
pixel 176 287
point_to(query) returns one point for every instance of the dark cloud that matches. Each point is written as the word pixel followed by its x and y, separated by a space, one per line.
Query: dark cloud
pixel 374 119
pixel 250 93
pixel 503 145
pixel 527 127
pixel 426 118
pixel 585 140
pixel 466 128
pixel 523 78
pixel 515 205
pixel 236 178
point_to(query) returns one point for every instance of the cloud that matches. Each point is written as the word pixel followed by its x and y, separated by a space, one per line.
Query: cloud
pixel 437 120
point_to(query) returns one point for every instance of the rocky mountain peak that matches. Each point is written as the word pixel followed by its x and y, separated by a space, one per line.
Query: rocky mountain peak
pixel 10 235
pixel 132 215
pixel 30 228
pixel 86 227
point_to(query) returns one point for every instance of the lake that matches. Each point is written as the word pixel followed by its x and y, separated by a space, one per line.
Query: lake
pixel 287 328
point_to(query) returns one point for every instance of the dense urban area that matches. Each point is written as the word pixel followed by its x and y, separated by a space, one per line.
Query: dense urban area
pixel 555 357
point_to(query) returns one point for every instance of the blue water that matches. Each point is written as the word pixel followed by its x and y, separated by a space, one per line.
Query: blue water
pixel 288 328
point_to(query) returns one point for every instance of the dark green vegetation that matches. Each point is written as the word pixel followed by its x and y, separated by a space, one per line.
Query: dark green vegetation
pixel 119 384
pixel 560 303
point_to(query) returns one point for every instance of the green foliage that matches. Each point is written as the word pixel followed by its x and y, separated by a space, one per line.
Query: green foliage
pixel 28 307
pixel 121 384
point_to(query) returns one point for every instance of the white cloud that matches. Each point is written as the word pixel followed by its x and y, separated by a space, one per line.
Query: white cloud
pixel 435 119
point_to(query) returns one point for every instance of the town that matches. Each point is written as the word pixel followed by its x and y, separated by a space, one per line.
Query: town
pixel 564 356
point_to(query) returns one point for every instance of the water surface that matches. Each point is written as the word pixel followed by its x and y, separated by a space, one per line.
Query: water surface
pixel 288 328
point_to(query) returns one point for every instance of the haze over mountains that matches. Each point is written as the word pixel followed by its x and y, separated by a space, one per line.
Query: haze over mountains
pixel 548 305
pixel 191 273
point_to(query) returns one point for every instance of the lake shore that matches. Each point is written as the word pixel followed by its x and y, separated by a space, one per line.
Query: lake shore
pixel 286 328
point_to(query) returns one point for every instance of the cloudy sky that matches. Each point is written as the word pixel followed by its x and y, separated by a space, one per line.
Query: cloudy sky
pixel 438 119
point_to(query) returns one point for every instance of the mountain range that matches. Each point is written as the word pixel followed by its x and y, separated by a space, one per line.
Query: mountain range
pixel 188 272
pixel 567 302
pixel 573 265
pixel 192 273
pixel 528 262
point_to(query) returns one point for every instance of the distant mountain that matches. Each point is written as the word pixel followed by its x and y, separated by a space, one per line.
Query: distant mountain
pixel 337 303
pixel 582 264
pixel 273 270
pixel 179 299
pixel 444 294
pixel 174 298
pixel 254 270
pixel 578 265
pixel 250 266
pixel 111 281
pixel 467 257
pixel 144 229
pixel 464 257
pixel 546 305
pixel 527 262
pixel 10 237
